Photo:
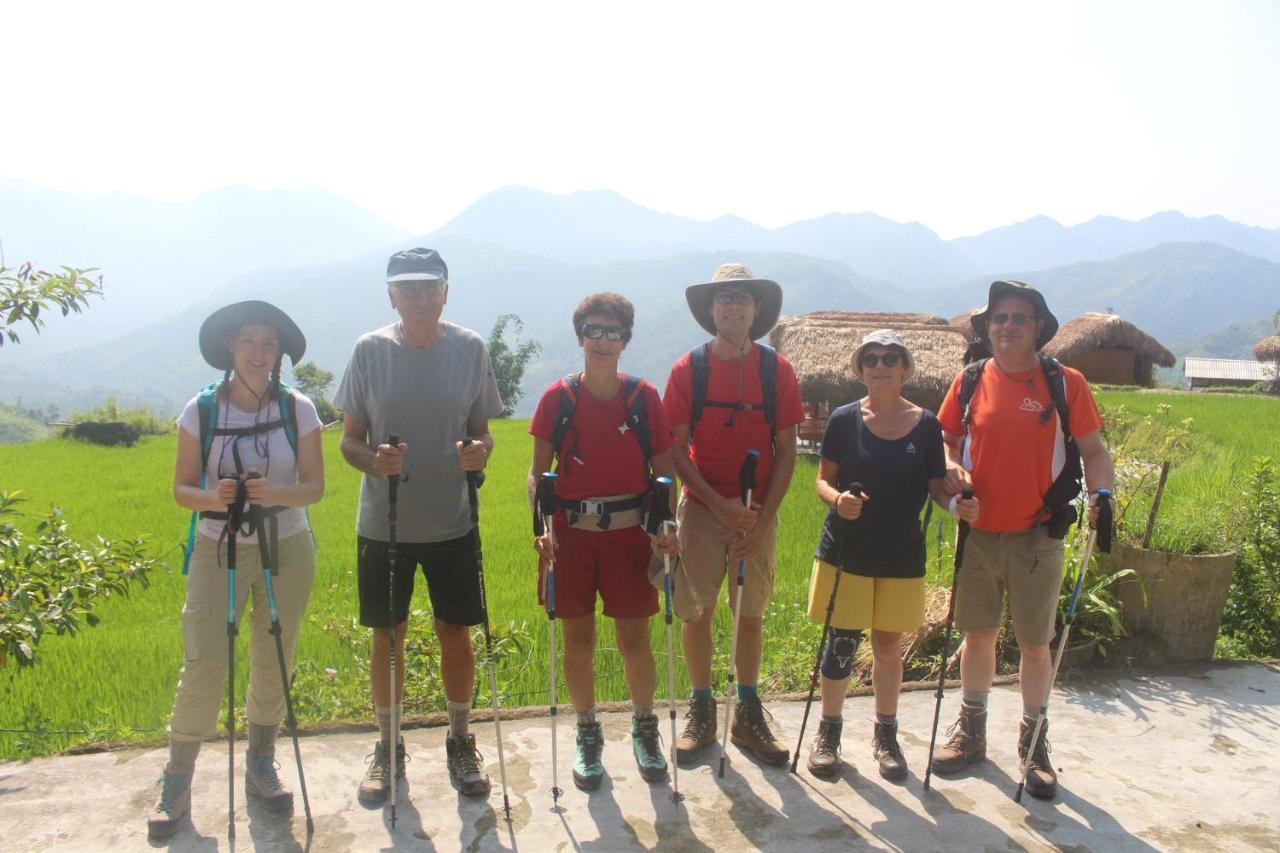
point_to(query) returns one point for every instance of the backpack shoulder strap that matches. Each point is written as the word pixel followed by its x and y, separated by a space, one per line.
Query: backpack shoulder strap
pixel 568 388
pixel 289 414
pixel 700 364
pixel 968 385
pixel 1056 379
pixel 207 408
pixel 768 387
pixel 638 414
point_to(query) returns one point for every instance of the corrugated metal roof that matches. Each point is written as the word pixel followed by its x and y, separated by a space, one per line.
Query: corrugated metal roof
pixel 1223 368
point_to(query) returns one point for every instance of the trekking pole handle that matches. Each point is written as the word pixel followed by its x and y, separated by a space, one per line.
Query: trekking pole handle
pixel 1106 520
pixel 474 478
pixel 747 474
pixel 659 510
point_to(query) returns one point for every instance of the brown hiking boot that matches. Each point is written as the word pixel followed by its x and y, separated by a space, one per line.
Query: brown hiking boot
pixel 466 765
pixel 699 727
pixel 751 731
pixel 1042 781
pixel 261 780
pixel 884 745
pixel 824 754
pixel 375 787
pixel 173 803
pixel 967 744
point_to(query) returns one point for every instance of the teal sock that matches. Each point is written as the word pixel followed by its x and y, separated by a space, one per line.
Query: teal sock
pixel 701 693
pixel 746 692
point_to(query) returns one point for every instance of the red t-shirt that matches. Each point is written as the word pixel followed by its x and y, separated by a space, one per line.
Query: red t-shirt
pixel 1012 456
pixel 600 457
pixel 719 441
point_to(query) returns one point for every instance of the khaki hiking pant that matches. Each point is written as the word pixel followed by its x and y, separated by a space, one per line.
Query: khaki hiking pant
pixel 202 682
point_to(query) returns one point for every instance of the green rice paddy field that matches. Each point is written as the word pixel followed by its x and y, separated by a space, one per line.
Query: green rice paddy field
pixel 116 681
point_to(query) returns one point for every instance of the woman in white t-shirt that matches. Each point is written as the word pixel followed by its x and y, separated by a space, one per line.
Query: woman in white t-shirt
pixel 249 441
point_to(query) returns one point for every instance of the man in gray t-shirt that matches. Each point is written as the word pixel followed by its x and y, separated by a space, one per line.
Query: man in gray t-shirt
pixel 430 383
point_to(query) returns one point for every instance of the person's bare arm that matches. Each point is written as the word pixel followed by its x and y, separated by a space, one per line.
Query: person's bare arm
pixel 381 460
pixel 1099 470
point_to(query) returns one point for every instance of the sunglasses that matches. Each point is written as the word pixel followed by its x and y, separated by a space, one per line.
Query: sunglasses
pixel 594 332
pixel 419 289
pixel 1018 319
pixel 889 359
pixel 734 297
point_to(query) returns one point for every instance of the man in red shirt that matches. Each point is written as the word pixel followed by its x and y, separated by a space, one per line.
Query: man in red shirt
pixel 1010 451
pixel 712 437
pixel 600 546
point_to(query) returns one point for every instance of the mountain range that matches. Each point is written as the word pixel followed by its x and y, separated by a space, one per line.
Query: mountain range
pixel 535 254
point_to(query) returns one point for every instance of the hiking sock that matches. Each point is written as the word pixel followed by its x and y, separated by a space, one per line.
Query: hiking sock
pixel 182 753
pixel 700 693
pixel 641 711
pixel 262 739
pixel 587 717
pixel 887 719
pixel 747 692
pixel 976 700
pixel 833 718
pixel 384 723
pixel 1031 713
pixel 459 717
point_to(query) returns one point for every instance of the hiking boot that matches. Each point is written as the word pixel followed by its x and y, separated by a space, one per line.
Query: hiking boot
pixel 699 727
pixel 884 746
pixel 465 764
pixel 647 745
pixel 376 784
pixel 261 780
pixel 173 803
pixel 1042 780
pixel 587 770
pixel 751 731
pixel 824 754
pixel 967 743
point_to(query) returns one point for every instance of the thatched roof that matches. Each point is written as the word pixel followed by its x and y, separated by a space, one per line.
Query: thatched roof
pixel 1105 331
pixel 1267 349
pixel 961 322
pixel 820 346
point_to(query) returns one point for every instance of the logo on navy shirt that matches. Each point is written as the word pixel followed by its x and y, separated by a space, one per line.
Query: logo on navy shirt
pixel 911 447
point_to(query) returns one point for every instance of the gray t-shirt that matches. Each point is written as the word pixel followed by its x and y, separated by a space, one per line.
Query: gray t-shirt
pixel 426 395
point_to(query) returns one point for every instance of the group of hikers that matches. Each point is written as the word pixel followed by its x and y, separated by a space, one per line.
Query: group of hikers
pixel 1004 455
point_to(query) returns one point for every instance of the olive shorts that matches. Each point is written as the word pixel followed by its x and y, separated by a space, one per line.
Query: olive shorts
pixel 704 551
pixel 1025 565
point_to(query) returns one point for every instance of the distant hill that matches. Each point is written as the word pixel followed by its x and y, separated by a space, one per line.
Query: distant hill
pixel 18 425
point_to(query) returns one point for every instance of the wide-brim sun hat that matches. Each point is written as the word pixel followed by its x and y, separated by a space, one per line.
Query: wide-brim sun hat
pixel 1001 289
pixel 768 296
pixel 889 339
pixel 226 321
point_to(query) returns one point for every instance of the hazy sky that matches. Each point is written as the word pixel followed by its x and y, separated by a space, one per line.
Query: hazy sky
pixel 959 115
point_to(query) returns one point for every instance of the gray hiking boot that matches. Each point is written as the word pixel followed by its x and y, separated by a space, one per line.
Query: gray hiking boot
pixel 173 802
pixel 261 780
pixel 465 765
pixel 967 744
pixel 884 745
pixel 699 727
pixel 824 754
pixel 376 784
pixel 1042 779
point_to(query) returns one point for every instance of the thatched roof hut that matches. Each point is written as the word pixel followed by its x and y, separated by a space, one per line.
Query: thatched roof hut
pixel 1267 349
pixel 1108 348
pixel 820 346
pixel 961 322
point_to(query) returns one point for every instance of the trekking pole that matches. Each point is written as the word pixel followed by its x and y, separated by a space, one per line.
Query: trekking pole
pixel 543 517
pixel 234 510
pixel 268 546
pixel 962 533
pixel 746 483
pixel 1102 535
pixel 474 479
pixel 393 749
pixel 659 518
pixel 856 488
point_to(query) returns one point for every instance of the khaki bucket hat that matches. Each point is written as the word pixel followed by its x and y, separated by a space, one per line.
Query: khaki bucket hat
pixel 768 295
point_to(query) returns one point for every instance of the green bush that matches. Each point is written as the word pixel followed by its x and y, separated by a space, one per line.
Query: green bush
pixel 144 421
pixel 1252 615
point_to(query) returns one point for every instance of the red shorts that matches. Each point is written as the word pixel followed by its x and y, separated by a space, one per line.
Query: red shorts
pixel 614 563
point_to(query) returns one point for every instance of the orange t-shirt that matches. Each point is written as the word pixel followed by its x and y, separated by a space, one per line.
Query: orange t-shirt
pixel 1011 453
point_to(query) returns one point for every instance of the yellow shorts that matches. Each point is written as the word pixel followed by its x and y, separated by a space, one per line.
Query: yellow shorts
pixel 885 604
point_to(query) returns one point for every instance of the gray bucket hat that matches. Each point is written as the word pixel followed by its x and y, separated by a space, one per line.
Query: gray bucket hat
pixel 224 323
pixel 768 296
pixel 885 338
pixel 999 289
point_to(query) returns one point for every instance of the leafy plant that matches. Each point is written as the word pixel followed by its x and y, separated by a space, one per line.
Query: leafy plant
pixel 508 363
pixel 144 421
pixel 26 293
pixel 54 582
pixel 1099 614
pixel 1252 614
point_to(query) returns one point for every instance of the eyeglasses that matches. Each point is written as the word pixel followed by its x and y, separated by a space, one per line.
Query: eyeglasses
pixel 594 332
pixel 419 289
pixel 889 359
pixel 1018 319
pixel 734 297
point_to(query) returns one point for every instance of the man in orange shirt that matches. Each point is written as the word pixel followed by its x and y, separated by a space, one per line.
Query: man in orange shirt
pixel 1007 443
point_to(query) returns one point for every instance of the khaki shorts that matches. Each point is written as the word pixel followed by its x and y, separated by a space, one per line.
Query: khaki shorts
pixel 1027 566
pixel 884 604
pixel 704 552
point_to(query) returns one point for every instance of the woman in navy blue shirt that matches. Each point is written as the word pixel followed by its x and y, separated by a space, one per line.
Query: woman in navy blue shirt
pixel 893 449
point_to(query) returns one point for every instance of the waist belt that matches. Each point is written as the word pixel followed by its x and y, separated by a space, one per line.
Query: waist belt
pixel 251 516
pixel 626 511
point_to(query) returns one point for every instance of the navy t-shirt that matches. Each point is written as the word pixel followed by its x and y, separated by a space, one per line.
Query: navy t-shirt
pixel 886 540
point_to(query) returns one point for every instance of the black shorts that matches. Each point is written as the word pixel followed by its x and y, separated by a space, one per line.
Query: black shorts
pixel 451 570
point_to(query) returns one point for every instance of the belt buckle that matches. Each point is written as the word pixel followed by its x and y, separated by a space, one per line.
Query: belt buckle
pixel 593 507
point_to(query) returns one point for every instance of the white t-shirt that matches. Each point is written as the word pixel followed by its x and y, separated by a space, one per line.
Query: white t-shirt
pixel 278 463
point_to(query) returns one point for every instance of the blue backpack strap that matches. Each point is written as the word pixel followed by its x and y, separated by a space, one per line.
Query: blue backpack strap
pixel 289 414
pixel 700 368
pixel 769 389
pixel 207 409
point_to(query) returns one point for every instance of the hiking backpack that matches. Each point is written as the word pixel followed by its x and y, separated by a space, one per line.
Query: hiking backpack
pixel 1067 485
pixel 637 417
pixel 700 362
pixel 207 406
